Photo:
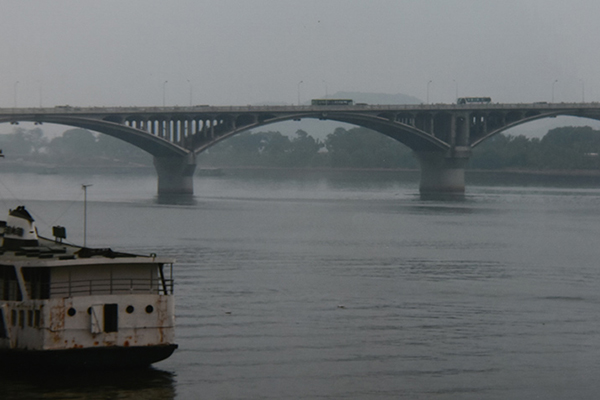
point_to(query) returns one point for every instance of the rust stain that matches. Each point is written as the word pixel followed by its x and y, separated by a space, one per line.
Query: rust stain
pixel 57 322
pixel 162 318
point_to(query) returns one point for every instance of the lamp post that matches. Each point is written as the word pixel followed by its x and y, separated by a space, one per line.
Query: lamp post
pixel 455 89
pixel 299 83
pixel 191 91
pixel 16 84
pixel 164 92
pixel 84 187
pixel 428 83
pixel 553 83
pixel 41 87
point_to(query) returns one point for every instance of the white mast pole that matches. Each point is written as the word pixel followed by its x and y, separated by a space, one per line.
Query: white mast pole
pixel 84 187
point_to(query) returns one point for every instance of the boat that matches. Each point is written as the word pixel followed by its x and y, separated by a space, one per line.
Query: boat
pixel 64 306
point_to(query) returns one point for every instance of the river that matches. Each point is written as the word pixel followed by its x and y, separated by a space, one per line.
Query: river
pixel 346 286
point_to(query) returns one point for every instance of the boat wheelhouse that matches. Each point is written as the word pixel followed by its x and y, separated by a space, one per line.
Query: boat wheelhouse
pixel 70 307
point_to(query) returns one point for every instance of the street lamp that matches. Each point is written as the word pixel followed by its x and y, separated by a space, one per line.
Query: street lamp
pixel 455 89
pixel 299 83
pixel 191 91
pixel 428 83
pixel 553 83
pixel 84 187
pixel 16 84
pixel 164 92
pixel 41 87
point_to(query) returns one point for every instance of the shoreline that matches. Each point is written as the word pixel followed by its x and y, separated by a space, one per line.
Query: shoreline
pixel 540 172
pixel 505 172
pixel 25 167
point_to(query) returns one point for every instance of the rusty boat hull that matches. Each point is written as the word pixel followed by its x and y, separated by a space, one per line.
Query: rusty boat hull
pixel 65 306
pixel 86 358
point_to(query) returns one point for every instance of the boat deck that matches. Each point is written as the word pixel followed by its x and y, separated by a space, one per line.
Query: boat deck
pixel 52 253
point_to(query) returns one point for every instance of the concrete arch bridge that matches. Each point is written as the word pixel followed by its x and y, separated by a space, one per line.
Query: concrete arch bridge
pixel 441 135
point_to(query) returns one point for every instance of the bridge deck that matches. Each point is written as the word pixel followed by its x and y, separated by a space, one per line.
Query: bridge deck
pixel 201 109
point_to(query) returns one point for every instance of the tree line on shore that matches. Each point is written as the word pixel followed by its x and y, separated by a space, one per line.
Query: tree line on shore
pixel 566 148
pixel 75 147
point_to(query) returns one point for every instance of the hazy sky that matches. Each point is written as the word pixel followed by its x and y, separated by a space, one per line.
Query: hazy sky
pixel 120 52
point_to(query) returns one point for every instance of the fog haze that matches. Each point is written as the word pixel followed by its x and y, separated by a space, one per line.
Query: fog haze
pixel 223 52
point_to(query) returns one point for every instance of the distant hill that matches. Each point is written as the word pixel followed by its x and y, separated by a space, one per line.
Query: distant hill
pixel 377 98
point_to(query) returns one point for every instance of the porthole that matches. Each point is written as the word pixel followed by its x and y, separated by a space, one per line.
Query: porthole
pixel 89 311
pixel 71 312
pixel 149 309
pixel 129 309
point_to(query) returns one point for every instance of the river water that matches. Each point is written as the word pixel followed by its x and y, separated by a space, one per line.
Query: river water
pixel 347 286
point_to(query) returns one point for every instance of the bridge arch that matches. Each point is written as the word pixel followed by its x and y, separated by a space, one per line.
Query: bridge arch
pixel 392 126
pixel 527 118
pixel 174 164
pixel 156 146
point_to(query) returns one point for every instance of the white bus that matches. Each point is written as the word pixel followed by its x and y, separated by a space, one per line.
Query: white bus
pixel 473 100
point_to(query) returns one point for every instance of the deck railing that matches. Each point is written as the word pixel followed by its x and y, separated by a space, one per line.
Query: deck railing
pixel 110 286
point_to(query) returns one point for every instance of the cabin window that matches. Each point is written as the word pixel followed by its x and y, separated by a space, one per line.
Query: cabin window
pixel 37 282
pixel 111 317
pixel 29 317
pixel 21 318
pixel 37 318
pixel 9 285
pixel 3 334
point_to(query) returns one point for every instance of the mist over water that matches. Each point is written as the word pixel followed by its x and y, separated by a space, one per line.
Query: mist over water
pixel 348 286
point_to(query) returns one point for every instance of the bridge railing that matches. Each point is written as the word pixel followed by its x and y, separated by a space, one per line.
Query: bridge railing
pixel 95 112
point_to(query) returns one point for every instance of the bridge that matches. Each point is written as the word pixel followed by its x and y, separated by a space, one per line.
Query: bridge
pixel 442 136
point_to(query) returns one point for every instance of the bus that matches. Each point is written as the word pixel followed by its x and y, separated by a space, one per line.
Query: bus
pixel 332 102
pixel 473 100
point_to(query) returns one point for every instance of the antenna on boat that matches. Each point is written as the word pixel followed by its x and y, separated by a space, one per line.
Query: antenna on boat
pixel 84 187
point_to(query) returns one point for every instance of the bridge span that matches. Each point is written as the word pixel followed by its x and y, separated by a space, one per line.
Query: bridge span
pixel 442 136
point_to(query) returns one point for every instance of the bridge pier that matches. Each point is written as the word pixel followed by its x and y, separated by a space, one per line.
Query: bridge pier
pixel 442 172
pixel 175 175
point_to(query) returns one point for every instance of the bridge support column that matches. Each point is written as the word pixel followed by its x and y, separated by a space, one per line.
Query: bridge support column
pixel 175 175
pixel 442 173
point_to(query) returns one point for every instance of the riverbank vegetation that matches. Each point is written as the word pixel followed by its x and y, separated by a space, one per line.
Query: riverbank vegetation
pixel 566 148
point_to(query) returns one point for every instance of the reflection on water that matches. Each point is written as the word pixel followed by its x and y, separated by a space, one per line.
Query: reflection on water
pixel 442 196
pixel 123 384
pixel 175 199
pixel 524 179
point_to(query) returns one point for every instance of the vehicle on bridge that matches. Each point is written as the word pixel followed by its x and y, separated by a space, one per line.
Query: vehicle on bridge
pixel 68 307
pixel 332 102
pixel 473 100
